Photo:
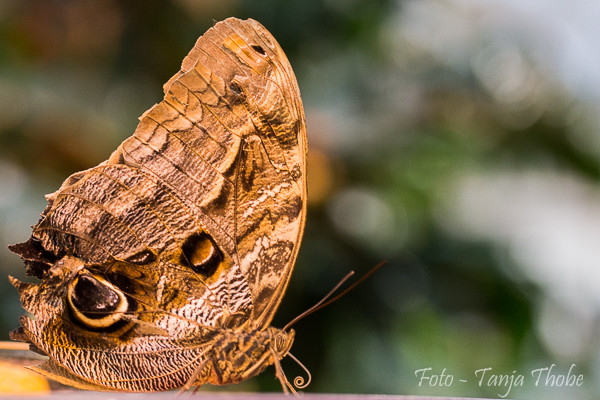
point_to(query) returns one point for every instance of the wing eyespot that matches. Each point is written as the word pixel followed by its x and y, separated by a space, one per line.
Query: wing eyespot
pixel 200 253
pixel 95 302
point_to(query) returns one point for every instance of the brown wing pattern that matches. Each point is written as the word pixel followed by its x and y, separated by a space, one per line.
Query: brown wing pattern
pixel 191 226
pixel 229 138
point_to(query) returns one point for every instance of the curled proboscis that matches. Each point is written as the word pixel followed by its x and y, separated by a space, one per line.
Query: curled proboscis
pixel 299 381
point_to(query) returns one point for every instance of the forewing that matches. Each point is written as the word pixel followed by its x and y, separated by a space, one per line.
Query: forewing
pixel 230 139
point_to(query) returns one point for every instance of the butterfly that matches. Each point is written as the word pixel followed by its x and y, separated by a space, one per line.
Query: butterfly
pixel 163 266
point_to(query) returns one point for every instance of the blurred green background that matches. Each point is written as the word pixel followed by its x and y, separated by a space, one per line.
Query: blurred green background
pixel 459 140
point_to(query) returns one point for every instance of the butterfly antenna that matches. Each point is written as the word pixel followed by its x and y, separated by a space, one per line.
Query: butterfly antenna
pixel 325 301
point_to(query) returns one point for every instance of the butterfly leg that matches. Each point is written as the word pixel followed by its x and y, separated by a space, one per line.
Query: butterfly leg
pixel 188 385
pixel 285 384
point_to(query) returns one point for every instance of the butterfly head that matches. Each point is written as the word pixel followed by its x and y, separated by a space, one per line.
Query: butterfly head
pixel 282 341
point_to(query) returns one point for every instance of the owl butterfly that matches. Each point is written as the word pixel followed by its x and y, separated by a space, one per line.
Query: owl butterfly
pixel 163 266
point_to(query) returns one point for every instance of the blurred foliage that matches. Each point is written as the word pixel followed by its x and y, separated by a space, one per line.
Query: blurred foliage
pixel 442 139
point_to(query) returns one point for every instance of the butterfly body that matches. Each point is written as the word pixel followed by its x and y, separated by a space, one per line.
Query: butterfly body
pixel 164 265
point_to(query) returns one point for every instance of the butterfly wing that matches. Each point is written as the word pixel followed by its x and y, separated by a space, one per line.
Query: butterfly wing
pixel 270 176
pixel 196 220
pixel 230 138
